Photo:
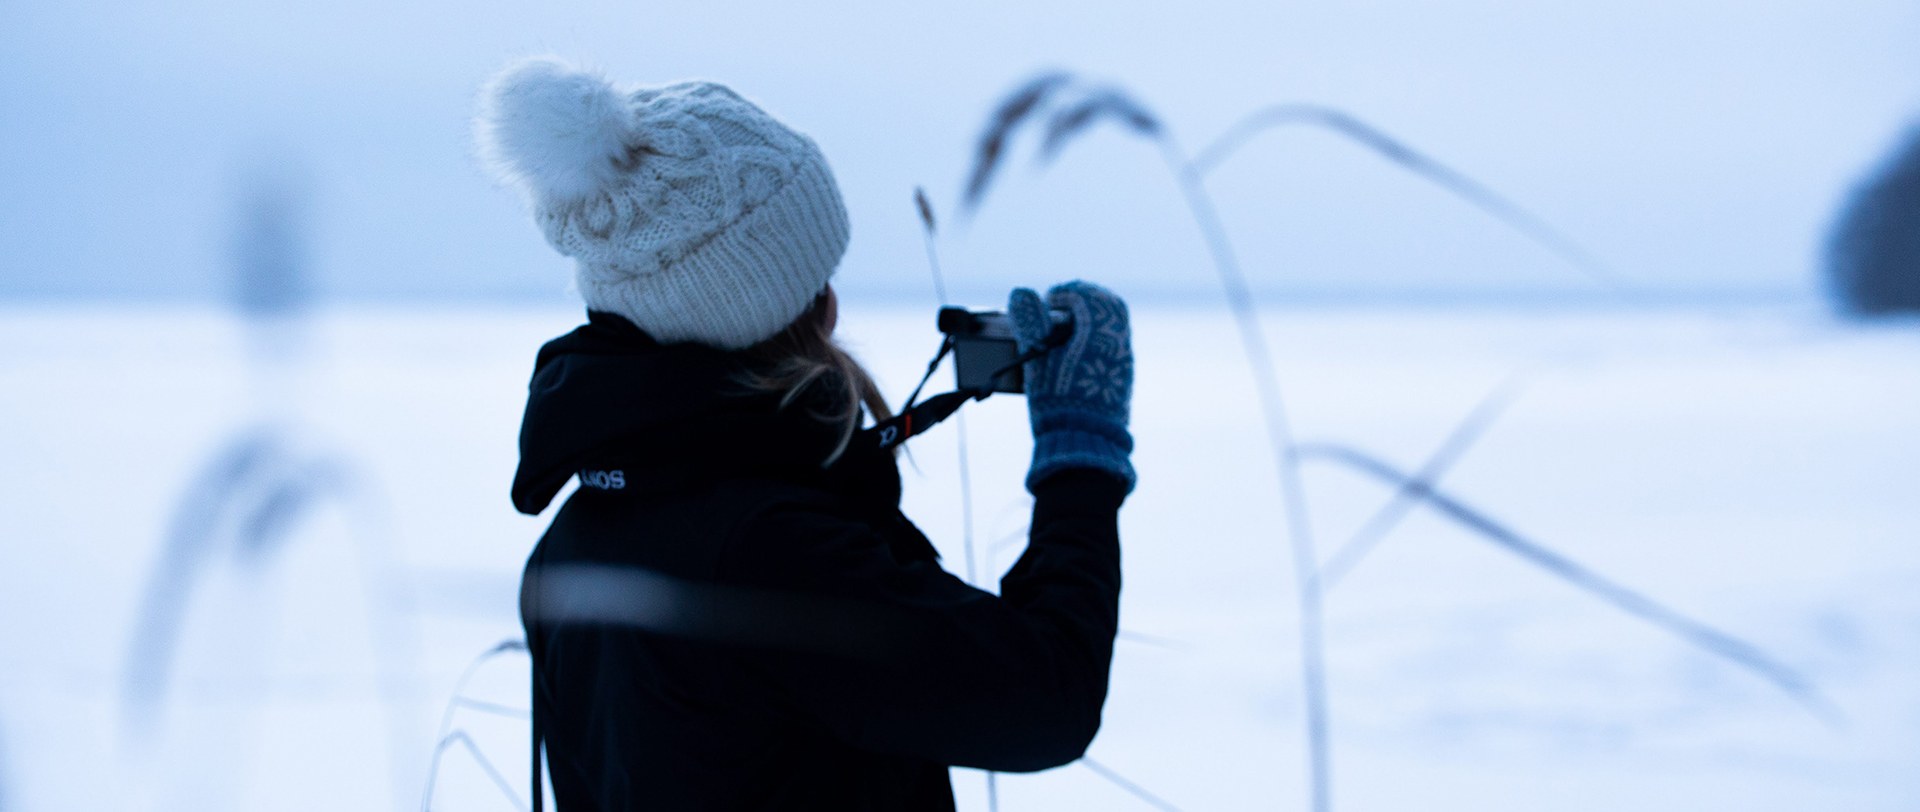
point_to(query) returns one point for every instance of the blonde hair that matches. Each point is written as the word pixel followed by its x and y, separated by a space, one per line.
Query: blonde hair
pixel 803 364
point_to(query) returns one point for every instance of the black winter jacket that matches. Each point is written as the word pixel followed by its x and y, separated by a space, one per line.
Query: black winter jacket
pixel 797 645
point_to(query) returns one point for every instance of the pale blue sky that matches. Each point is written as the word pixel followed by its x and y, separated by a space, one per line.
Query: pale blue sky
pixel 1694 146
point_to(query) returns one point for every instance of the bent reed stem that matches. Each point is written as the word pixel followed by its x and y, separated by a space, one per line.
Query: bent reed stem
pixel 1306 562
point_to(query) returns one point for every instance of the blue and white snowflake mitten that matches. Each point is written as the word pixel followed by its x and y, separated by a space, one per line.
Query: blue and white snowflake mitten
pixel 1078 394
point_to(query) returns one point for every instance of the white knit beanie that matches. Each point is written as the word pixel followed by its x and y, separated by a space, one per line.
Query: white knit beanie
pixel 687 209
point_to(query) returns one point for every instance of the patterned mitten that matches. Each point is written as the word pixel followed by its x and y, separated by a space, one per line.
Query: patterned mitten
pixel 1077 393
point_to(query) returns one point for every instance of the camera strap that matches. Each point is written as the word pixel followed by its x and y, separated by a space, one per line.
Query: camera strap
pixel 918 418
pixel 915 418
pixel 946 346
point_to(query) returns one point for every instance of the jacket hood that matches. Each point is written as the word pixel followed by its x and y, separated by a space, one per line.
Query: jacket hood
pixel 666 416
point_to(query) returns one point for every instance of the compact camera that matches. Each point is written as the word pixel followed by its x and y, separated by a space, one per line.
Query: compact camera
pixel 985 355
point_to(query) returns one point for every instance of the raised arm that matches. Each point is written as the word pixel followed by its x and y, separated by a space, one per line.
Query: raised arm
pixel 938 669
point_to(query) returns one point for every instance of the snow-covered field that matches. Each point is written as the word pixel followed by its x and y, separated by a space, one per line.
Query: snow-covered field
pixel 1756 469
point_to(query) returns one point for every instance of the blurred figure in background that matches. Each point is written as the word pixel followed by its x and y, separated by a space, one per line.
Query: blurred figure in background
pixel 731 612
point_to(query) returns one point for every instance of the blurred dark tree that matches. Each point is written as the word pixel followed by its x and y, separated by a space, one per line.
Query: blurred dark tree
pixel 1873 257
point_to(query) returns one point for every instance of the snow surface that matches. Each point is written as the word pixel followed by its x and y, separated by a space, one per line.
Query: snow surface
pixel 1755 469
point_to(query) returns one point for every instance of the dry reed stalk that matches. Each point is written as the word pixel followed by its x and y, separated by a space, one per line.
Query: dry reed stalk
pixel 928 232
pixel 1092 104
pixel 1133 789
pixel 1104 103
pixel 449 736
pixel 1382 522
pixel 1000 126
pixel 1696 633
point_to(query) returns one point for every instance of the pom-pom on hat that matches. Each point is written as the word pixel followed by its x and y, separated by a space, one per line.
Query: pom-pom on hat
pixel 687 209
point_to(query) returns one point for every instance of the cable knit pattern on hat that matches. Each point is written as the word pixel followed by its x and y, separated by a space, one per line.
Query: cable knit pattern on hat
pixel 687 209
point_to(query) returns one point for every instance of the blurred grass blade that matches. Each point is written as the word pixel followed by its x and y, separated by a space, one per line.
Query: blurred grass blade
pixel 1407 496
pixel 1133 789
pixel 1700 635
pixel 461 738
pixel 1106 103
pixel 933 256
pixel 1012 112
pixel 492 708
pixel 926 209
pixel 1468 189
